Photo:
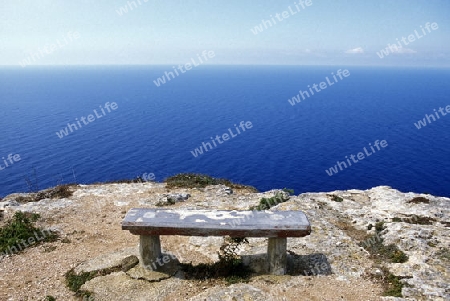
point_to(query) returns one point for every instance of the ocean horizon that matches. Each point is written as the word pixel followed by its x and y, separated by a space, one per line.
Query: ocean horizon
pixel 307 128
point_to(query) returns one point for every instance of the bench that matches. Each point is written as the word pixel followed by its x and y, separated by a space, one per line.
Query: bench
pixel 276 225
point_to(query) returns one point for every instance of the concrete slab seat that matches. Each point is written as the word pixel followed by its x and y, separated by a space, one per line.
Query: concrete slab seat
pixel 276 225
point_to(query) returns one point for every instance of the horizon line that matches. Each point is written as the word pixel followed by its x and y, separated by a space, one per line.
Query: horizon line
pixel 250 65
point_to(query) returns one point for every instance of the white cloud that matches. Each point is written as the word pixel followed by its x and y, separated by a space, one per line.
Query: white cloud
pixel 355 50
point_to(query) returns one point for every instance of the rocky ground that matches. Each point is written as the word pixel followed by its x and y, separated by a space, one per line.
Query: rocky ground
pixel 330 264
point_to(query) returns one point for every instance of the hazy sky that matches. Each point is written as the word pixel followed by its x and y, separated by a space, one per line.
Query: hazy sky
pixel 328 32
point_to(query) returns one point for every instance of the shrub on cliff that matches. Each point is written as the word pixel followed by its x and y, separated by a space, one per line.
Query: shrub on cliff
pixel 20 233
pixel 192 180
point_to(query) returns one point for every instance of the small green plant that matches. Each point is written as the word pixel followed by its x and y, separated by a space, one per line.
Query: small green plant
pixel 231 263
pixel 444 254
pixel 20 232
pixel 415 219
pixel 420 220
pixel 229 267
pixel 380 252
pixel 229 247
pixel 58 192
pixel 267 203
pixel 393 285
pixel 395 254
pixel 337 198
pixel 379 226
pixel 418 200
pixel 50 298
pixel 192 180
pixel 290 191
pixel 74 281
pixel 432 244
pixel 374 244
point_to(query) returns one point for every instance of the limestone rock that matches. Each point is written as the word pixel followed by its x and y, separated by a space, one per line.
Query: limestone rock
pixel 8 203
pixel 179 197
pixel 235 292
pixel 119 260
pixel 330 263
pixel 119 286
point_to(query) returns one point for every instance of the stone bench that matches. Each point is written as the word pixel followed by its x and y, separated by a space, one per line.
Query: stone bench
pixel 276 225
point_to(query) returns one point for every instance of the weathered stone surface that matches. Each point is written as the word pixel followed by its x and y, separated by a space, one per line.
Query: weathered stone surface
pixel 129 262
pixel 162 272
pixel 149 249
pixel 276 255
pixel 12 205
pixel 122 259
pixel 8 203
pixel 142 221
pixel 179 197
pixel 340 222
pixel 337 267
pixel 14 197
pixel 120 286
pixel 236 292
pixel 224 190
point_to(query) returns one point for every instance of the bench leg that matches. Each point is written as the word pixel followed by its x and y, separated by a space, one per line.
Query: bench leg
pixel 149 250
pixel 277 255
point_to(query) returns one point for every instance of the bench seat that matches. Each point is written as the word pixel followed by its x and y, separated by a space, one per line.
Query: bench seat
pixel 149 224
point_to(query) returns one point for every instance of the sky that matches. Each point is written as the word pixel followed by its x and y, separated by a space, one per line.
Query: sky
pixel 140 32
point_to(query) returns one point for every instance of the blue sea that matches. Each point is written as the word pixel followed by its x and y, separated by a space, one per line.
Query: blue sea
pixel 156 129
